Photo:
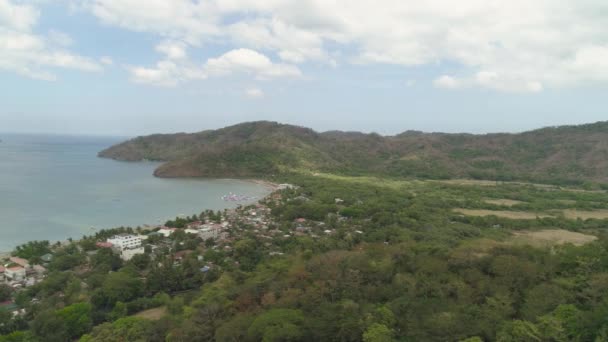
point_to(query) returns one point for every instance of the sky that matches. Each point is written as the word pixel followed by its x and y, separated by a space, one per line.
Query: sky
pixel 133 67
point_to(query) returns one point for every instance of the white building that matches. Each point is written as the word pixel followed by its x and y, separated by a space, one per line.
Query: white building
pixel 285 186
pixel 16 273
pixel 127 253
pixel 125 241
pixel 166 232
pixel 210 232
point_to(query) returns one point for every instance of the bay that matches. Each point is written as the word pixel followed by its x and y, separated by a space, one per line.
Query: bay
pixel 55 187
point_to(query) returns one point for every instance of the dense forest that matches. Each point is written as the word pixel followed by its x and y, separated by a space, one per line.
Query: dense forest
pixel 567 155
pixel 341 258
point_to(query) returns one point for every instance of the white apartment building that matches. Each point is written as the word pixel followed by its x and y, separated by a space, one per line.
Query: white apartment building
pixel 125 241
pixel 210 233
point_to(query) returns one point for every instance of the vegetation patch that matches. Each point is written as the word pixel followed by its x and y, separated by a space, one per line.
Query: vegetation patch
pixel 586 214
pixel 477 182
pixel 514 215
pixel 550 237
pixel 152 314
pixel 504 202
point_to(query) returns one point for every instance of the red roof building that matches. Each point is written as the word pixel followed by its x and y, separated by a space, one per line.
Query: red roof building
pixel 102 244
pixel 19 261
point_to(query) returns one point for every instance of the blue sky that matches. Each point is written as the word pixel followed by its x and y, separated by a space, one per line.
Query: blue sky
pixel 129 67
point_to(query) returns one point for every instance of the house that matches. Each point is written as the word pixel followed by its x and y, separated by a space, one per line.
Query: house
pixel 15 273
pixel 102 244
pixel 194 225
pixel 47 257
pixel 20 261
pixel 39 269
pixel 125 241
pixel 166 231
pixel 178 256
pixel 30 281
pixel 191 231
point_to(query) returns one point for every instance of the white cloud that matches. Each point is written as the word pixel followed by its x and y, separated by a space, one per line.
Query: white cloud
pixel 448 82
pixel 60 38
pixel 250 62
pixel 106 60
pixel 172 49
pixel 17 16
pixel 166 73
pixel 29 54
pixel 292 44
pixel 172 71
pixel 254 93
pixel 183 19
pixel 516 45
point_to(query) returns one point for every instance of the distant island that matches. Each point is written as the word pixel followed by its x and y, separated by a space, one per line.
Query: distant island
pixel 566 155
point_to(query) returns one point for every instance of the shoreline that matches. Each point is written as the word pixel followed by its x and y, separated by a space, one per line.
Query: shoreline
pixel 270 186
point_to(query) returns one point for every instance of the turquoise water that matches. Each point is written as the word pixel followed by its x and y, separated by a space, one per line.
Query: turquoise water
pixel 55 187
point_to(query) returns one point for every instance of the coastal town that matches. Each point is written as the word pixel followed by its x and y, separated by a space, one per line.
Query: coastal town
pixel 209 240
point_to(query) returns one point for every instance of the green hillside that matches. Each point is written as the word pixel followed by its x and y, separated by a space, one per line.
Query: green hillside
pixel 559 155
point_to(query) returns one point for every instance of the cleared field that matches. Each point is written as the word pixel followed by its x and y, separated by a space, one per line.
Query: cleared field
pixel 516 215
pixel 586 214
pixel 550 237
pixel 495 183
pixel 469 182
pixel 152 314
pixel 504 201
pixel 474 249
pixel 488 183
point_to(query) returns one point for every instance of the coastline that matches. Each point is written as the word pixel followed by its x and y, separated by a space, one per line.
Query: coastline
pixel 270 186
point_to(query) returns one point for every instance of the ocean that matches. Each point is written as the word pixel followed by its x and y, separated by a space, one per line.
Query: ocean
pixel 55 187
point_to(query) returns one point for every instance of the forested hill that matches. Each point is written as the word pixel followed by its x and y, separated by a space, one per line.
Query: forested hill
pixel 563 155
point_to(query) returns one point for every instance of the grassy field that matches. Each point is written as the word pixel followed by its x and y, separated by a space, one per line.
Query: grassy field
pixel 478 182
pixel 152 314
pixel 586 214
pixel 514 215
pixel 550 237
pixel 504 202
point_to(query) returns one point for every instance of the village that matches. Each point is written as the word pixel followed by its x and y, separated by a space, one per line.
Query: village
pixel 210 233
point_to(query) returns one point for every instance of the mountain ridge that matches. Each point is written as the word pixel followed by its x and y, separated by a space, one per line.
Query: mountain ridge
pixel 571 154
